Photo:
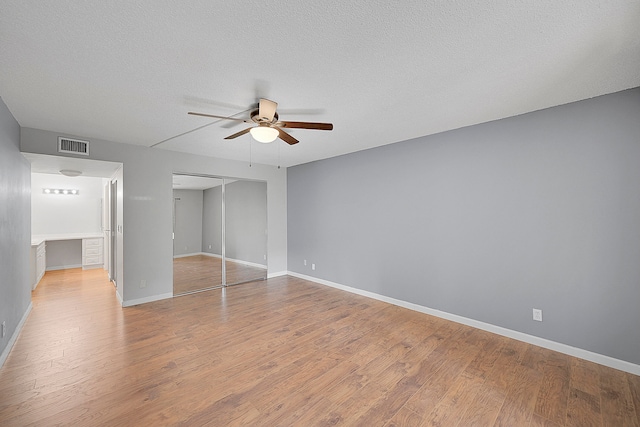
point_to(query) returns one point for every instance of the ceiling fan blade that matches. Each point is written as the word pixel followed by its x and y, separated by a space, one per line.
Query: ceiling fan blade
pixel 237 134
pixel 217 117
pixel 267 109
pixel 306 125
pixel 286 137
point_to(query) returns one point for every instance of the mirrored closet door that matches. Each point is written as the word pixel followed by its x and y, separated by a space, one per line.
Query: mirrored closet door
pixel 245 231
pixel 219 232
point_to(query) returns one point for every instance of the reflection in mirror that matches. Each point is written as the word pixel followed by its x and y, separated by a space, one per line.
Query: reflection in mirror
pixel 245 231
pixel 197 234
pixel 218 219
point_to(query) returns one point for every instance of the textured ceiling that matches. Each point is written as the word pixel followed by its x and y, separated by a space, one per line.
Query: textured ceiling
pixel 382 72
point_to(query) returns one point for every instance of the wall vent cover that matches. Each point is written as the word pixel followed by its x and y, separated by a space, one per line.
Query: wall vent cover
pixel 73 146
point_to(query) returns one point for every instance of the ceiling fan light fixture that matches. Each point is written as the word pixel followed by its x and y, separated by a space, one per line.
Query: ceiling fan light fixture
pixel 264 134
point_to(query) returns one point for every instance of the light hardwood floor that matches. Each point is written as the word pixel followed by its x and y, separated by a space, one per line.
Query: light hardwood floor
pixel 197 272
pixel 285 352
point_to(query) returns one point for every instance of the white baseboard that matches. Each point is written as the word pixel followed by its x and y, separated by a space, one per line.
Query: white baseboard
pixel 63 267
pixel 152 298
pixel 277 274
pixel 211 255
pixel 14 337
pixel 186 255
pixel 601 359
pixel 239 261
pixel 250 264
pixel 92 266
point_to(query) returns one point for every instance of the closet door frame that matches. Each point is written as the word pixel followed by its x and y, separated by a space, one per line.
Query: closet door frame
pixel 225 182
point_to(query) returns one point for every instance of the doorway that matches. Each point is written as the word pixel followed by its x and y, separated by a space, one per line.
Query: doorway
pixel 86 216
pixel 219 232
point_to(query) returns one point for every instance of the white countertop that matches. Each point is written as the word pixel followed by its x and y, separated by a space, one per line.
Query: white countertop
pixel 36 239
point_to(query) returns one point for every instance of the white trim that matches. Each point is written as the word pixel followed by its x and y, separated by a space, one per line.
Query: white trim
pixel 119 297
pixel 211 255
pixel 92 266
pixel 186 255
pixel 14 337
pixel 601 359
pixel 250 264
pixel 63 267
pixel 145 300
pixel 277 274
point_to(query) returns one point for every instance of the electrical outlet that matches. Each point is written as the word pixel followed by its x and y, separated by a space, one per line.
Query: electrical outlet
pixel 143 284
pixel 305 262
pixel 265 257
pixel 313 266
pixel 4 327
pixel 537 314
pixel 209 246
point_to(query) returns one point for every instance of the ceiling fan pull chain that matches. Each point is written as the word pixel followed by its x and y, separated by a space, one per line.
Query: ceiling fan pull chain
pixel 249 152
pixel 278 144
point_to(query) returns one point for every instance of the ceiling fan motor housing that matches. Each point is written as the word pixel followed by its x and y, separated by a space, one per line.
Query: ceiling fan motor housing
pixel 255 116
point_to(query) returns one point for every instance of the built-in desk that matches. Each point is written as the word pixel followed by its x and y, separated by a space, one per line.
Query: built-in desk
pixel 92 256
pixel 36 239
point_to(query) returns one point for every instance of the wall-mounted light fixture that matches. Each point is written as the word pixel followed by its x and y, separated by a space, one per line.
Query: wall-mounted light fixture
pixel 68 192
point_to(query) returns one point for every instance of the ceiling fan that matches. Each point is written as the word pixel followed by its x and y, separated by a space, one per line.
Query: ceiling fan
pixel 269 126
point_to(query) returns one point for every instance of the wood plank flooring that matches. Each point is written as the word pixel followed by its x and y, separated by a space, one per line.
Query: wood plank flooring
pixel 197 272
pixel 285 352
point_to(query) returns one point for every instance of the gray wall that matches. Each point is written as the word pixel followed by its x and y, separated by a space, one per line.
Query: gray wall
pixel 212 221
pixel 188 222
pixel 64 254
pixel 15 226
pixel 487 222
pixel 246 221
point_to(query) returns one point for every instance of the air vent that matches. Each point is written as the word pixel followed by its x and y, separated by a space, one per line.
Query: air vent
pixel 73 146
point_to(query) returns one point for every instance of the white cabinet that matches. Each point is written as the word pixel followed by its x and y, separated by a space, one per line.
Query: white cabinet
pixel 38 263
pixel 41 260
pixel 92 253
